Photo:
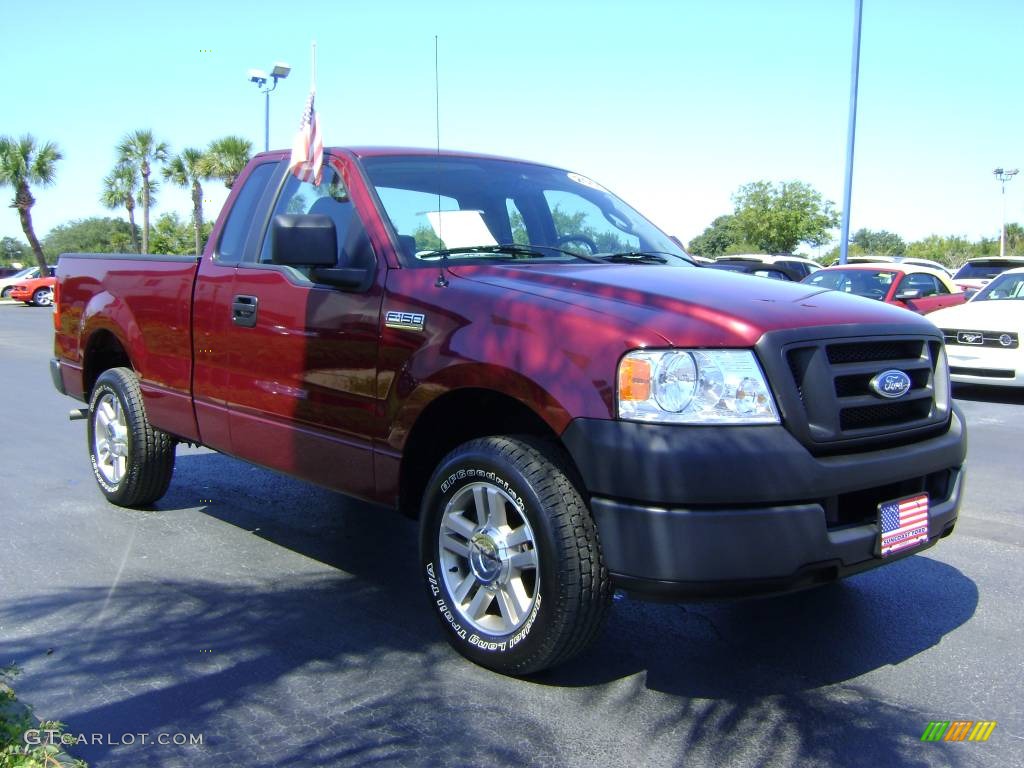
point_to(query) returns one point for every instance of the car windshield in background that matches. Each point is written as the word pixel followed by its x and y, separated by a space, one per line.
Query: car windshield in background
pixel 981 270
pixel 1003 287
pixel 483 208
pixel 870 283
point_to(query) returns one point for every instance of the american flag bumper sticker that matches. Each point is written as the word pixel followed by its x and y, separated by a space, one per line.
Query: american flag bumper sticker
pixel 903 523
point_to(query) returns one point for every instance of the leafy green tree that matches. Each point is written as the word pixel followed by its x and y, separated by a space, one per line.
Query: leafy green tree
pixel 225 158
pixel 1014 239
pixel 120 187
pixel 173 235
pixel 13 250
pixel 142 150
pixel 723 237
pixel 23 163
pixel 98 234
pixel 878 243
pixel 186 170
pixel 778 217
pixel 951 251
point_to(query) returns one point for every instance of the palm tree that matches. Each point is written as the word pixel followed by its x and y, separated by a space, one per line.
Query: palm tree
pixel 225 158
pixel 185 170
pixel 119 188
pixel 23 163
pixel 141 150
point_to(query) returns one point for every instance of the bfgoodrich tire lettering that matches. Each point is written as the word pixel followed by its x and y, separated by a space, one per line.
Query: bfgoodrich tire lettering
pixel 510 556
pixel 132 461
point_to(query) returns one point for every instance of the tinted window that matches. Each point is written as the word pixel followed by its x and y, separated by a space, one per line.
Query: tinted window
pixel 236 228
pixel 981 270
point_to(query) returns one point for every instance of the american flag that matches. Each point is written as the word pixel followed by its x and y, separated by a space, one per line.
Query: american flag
pixel 904 523
pixel 308 149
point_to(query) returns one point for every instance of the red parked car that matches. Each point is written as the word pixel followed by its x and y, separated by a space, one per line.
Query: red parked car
pixel 36 292
pixel 906 285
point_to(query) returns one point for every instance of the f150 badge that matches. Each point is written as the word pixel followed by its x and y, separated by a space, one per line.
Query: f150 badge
pixel 405 321
pixel 890 384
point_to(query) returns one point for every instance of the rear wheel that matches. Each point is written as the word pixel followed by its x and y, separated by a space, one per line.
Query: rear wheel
pixel 43 297
pixel 510 556
pixel 6 292
pixel 131 460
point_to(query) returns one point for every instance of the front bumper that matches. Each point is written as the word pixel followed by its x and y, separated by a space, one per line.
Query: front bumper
pixel 986 365
pixel 732 511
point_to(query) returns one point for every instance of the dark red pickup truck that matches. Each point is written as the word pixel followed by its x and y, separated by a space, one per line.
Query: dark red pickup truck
pixel 513 355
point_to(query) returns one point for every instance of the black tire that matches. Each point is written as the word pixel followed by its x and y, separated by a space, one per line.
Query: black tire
pixel 43 297
pixel 569 590
pixel 6 292
pixel 148 452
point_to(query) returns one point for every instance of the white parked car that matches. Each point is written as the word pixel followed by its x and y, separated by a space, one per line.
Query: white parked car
pixel 983 336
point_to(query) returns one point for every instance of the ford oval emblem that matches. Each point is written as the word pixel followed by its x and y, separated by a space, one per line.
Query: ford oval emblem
pixel 890 384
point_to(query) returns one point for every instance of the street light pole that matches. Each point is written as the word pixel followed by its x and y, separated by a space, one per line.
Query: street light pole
pixel 1004 176
pixel 258 76
pixel 851 133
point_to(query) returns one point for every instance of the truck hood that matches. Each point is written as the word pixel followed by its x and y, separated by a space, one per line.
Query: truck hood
pixel 691 306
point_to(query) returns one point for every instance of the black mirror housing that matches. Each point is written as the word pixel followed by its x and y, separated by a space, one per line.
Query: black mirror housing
pixel 304 240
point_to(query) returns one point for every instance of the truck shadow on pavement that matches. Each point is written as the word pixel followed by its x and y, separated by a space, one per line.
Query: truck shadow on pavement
pixel 347 666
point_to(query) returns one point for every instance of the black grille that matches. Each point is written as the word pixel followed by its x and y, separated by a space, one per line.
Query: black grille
pixel 969 338
pixel 991 373
pixel 832 379
pixel 861 352
pixel 884 415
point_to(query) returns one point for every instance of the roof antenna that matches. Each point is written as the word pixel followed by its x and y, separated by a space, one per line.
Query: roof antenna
pixel 442 281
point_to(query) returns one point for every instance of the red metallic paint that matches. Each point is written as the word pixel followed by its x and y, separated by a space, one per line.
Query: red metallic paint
pixel 321 389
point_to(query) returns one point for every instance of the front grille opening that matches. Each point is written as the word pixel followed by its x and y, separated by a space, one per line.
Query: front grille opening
pixel 799 362
pixel 989 373
pixel 883 414
pixel 851 386
pixel 867 351
pixel 861 507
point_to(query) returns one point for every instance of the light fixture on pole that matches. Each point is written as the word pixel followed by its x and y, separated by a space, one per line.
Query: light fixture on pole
pixel 258 76
pixel 1004 176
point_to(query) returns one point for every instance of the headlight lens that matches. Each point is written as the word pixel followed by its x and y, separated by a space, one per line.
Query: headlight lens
pixel 697 386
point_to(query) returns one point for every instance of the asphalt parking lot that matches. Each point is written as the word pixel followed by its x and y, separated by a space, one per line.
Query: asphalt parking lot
pixel 284 625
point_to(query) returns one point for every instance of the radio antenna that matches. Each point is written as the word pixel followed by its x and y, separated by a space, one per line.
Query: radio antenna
pixel 442 281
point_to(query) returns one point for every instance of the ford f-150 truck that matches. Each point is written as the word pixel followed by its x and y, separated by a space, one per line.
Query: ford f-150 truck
pixel 516 357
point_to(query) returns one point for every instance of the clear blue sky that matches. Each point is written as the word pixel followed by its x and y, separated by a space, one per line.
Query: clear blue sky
pixel 672 105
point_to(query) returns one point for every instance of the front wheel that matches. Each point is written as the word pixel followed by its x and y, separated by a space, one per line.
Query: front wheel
pixel 131 459
pixel 510 556
pixel 43 297
pixel 6 292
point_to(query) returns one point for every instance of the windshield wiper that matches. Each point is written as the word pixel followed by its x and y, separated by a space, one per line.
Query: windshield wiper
pixel 504 249
pixel 642 257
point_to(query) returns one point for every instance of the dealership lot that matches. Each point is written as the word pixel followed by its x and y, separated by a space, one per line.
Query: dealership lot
pixel 285 626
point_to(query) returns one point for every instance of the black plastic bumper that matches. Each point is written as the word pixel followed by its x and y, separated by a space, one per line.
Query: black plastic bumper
pixel 728 511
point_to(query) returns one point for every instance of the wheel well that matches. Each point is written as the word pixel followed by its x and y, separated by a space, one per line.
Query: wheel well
pixel 102 353
pixel 451 420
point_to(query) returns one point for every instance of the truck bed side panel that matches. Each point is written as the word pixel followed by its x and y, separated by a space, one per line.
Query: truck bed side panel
pixel 146 303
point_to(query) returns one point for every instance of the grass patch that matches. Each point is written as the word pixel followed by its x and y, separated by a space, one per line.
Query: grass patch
pixel 15 721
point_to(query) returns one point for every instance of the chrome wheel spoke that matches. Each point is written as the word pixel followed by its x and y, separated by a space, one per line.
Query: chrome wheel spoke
pixel 458 523
pixel 496 517
pixel 462 590
pixel 525 559
pixel 479 604
pixel 519 536
pixel 454 545
pixel 508 607
pixel 110 439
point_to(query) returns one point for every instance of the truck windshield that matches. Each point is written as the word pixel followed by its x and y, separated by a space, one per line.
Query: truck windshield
pixel 482 208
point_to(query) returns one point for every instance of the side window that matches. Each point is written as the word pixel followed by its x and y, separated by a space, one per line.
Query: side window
pixel 236 228
pixel 331 199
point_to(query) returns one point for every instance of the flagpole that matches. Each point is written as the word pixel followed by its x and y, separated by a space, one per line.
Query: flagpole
pixel 314 65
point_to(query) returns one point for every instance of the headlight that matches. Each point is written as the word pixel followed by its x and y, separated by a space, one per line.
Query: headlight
pixel 698 386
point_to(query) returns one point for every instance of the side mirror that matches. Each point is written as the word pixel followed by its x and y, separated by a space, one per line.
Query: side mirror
pixel 303 241
pixel 907 294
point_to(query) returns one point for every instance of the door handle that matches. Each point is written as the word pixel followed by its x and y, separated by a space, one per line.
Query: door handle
pixel 243 311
